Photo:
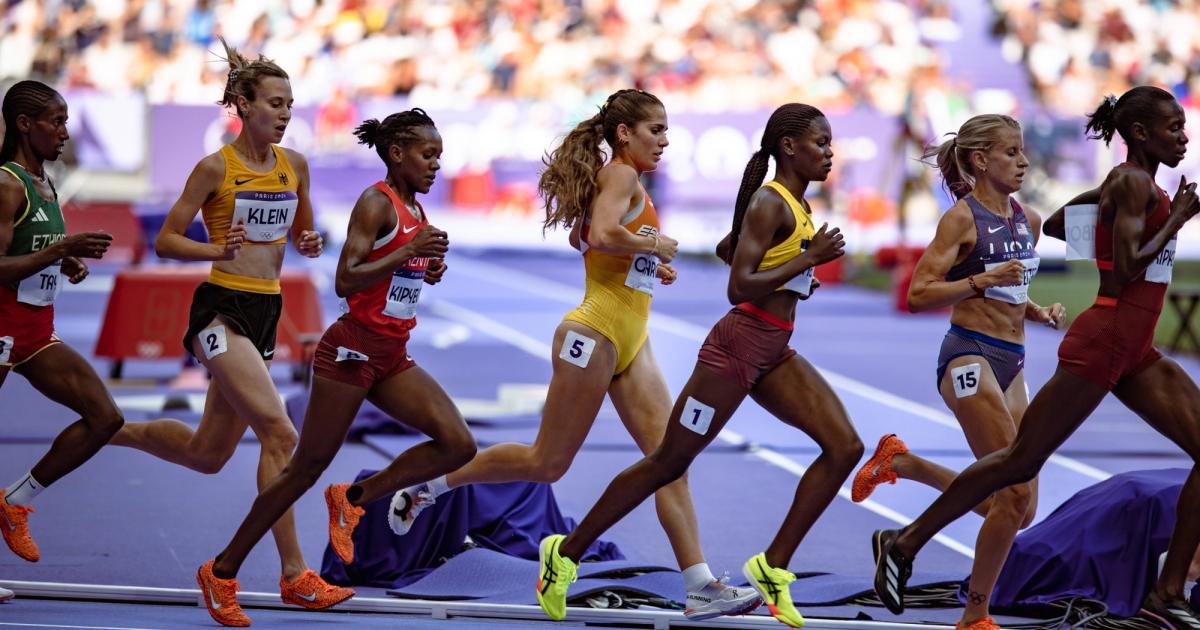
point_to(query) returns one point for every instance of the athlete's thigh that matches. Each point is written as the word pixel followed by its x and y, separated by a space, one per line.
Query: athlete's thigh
pixel 418 400
pixel 796 393
pixel 583 362
pixel 64 376
pixel 642 400
pixel 1016 398
pixel 1166 397
pixel 332 406
pixel 971 392
pixel 705 405
pixel 243 378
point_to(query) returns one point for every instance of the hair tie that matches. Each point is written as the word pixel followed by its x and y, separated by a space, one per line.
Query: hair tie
pixel 233 75
pixel 1110 100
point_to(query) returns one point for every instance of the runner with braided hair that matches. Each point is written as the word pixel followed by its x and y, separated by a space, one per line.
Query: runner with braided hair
pixel 772 250
pixel 601 347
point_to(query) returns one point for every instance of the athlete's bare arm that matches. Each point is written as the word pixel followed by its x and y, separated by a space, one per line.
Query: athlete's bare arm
pixel 1054 315
pixel 306 240
pixel 17 268
pixel 766 214
pixel 1056 225
pixel 1129 196
pixel 617 192
pixel 373 214
pixel 201 185
pixel 952 241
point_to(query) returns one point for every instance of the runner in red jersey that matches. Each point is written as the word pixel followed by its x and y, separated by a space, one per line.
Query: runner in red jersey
pixel 391 251
pixel 36 255
pixel 1108 348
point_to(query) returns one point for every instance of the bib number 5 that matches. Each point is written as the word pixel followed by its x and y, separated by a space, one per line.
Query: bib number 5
pixel 577 349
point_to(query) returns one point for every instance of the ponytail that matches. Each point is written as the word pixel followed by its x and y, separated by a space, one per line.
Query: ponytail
pixel 1102 123
pixel 752 179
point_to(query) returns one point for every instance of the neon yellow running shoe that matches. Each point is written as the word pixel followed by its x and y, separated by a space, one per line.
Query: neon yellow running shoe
pixel 555 574
pixel 772 584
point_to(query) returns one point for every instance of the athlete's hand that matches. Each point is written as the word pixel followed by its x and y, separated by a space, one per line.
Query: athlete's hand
pixel 1052 316
pixel 665 248
pixel 430 242
pixel 1009 274
pixel 85 245
pixel 437 269
pixel 1185 205
pixel 666 273
pixel 74 269
pixel 311 243
pixel 826 245
pixel 234 239
pixel 815 283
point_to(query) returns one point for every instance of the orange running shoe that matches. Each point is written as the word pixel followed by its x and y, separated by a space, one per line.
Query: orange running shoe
pixel 14 524
pixel 220 596
pixel 979 624
pixel 311 592
pixel 878 469
pixel 343 518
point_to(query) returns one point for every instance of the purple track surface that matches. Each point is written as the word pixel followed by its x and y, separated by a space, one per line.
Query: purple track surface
pixel 128 518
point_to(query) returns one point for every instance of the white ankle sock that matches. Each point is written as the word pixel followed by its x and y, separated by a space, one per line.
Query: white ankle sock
pixel 24 490
pixel 698 576
pixel 438 486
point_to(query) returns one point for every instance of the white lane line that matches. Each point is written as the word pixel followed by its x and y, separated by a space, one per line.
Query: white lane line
pixel 538 349
pixel 81 627
pixel 559 292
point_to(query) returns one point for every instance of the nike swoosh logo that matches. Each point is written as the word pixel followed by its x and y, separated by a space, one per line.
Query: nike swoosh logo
pixel 993 231
pixel 407 230
pixel 308 598
pixel 341 519
pixel 239 182
pixel 269 353
pixel 216 603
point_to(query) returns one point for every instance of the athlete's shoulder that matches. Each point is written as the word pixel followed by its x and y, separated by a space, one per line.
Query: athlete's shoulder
pixel 958 221
pixel 767 200
pixel 211 166
pixel 616 174
pixel 295 158
pixel 12 195
pixel 1129 183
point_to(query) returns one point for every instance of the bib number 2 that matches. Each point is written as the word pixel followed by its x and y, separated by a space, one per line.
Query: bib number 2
pixel 213 341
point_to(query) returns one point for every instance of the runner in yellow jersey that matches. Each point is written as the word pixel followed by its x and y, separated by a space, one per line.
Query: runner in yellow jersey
pixel 772 249
pixel 601 347
pixel 253 195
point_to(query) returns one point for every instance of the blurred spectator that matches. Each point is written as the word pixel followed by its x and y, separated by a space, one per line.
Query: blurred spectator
pixel 715 55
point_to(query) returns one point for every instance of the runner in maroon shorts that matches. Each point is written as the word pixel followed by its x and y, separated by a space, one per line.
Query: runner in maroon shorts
pixel 1108 348
pixel 391 250
pixel 36 255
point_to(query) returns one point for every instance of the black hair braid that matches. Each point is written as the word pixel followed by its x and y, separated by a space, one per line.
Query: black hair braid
pixel 399 128
pixel 788 120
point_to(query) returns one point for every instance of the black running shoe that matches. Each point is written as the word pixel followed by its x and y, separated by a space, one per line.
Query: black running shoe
pixel 892 570
pixel 1176 614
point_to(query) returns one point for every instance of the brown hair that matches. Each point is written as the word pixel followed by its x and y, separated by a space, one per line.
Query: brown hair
pixel 953 157
pixel 244 76
pixel 568 184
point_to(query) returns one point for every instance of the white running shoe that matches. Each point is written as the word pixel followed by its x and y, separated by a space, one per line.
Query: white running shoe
pixel 407 505
pixel 6 594
pixel 718 599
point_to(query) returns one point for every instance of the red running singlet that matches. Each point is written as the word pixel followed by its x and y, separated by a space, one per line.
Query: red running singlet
pixel 390 305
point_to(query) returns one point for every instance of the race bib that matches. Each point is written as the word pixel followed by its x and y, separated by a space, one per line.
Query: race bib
pixel 404 292
pixel 1017 294
pixel 213 341
pixel 641 276
pixel 696 416
pixel 1081 231
pixel 267 215
pixel 41 288
pixel 965 379
pixel 1160 270
pixel 577 349
pixel 346 354
pixel 802 283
